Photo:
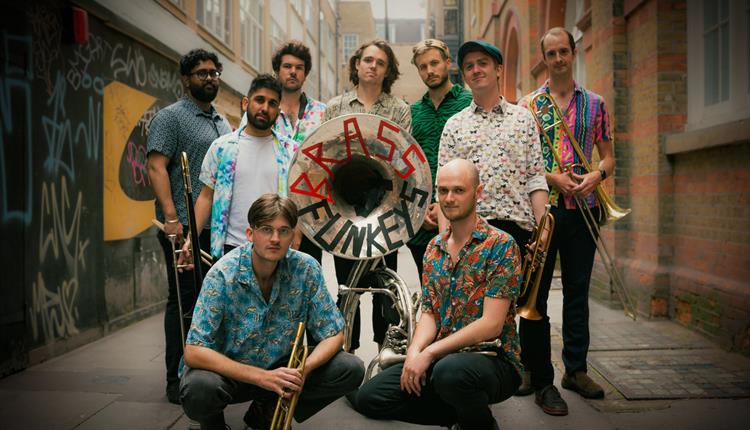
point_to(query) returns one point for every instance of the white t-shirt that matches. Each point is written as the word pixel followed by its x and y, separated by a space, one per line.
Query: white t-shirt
pixel 256 174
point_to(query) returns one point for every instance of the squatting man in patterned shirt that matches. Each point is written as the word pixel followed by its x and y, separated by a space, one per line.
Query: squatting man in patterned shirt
pixel 247 313
pixel 469 288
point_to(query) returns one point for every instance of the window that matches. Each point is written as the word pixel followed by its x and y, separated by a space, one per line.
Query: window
pixel 179 3
pixel 251 31
pixel 216 17
pixel 277 35
pixel 718 53
pixel 351 43
pixel 451 22
pixel 297 5
pixel 311 15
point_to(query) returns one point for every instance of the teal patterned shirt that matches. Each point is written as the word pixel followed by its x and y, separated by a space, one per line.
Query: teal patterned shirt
pixel 232 317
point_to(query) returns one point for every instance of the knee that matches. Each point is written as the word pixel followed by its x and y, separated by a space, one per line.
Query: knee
pixel 452 378
pixel 352 370
pixel 201 393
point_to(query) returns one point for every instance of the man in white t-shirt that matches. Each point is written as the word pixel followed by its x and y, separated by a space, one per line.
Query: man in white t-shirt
pixel 241 166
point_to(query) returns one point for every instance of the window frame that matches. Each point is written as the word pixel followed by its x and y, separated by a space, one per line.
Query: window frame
pixel 200 12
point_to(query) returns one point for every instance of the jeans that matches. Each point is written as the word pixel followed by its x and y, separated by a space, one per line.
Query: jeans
pixel 460 387
pixel 205 394
pixel 576 247
pixel 172 333
pixel 382 313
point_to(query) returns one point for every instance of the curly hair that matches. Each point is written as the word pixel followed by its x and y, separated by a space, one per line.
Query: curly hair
pixel 265 80
pixel 194 57
pixel 390 75
pixel 296 49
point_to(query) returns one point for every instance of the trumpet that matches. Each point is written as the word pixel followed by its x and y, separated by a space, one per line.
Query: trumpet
pixel 533 265
pixel 548 118
pixel 284 412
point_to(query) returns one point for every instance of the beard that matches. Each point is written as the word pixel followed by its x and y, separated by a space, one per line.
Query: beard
pixel 291 87
pixel 261 124
pixel 439 84
pixel 205 93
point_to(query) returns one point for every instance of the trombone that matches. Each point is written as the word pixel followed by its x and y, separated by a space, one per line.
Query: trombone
pixel 533 265
pixel 548 118
pixel 284 412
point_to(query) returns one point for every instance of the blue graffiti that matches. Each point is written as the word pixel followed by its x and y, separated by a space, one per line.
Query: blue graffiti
pixel 15 91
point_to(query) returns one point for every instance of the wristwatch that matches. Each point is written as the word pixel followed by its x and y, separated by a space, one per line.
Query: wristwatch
pixel 603 173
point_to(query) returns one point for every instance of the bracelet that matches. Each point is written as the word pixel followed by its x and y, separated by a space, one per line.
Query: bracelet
pixel 173 221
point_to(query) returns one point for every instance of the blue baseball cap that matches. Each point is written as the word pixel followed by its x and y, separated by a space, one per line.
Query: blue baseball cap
pixel 472 45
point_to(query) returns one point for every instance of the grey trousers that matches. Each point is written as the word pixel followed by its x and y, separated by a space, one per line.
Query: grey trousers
pixel 205 394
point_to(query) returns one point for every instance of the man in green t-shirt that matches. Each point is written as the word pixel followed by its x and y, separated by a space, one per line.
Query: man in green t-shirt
pixel 429 114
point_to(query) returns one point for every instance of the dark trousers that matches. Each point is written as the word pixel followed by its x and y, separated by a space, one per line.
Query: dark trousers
pixel 172 335
pixel 573 241
pixel 381 305
pixel 417 253
pixel 205 394
pixel 460 387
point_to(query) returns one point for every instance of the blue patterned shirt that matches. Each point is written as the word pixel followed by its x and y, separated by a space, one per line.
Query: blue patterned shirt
pixel 183 126
pixel 217 173
pixel 232 317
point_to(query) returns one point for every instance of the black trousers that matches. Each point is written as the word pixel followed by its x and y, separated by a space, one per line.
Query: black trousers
pixel 382 314
pixel 573 241
pixel 172 335
pixel 460 387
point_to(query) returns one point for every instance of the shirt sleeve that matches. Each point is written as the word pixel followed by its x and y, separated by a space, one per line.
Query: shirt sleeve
pixel 405 120
pixel 428 291
pixel 323 317
pixel 535 179
pixel 447 143
pixel 504 269
pixel 161 134
pixel 208 315
pixel 209 166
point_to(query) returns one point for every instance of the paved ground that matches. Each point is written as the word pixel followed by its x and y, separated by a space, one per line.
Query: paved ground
pixel 118 383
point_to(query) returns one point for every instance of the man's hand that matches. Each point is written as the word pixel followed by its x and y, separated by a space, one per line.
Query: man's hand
pixel 174 228
pixel 414 374
pixel 282 381
pixel 185 258
pixel 586 183
pixel 431 217
pixel 563 182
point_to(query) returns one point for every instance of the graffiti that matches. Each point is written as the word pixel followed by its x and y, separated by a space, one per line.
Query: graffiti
pixel 145 122
pixel 61 136
pixel 165 80
pixel 16 127
pixel 54 311
pixel 138 164
pixel 78 75
pixel 130 63
pixel 47 32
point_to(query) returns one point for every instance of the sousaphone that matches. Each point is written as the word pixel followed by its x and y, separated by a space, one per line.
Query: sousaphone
pixel 362 186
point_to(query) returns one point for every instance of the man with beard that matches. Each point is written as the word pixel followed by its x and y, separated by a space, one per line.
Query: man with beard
pixel 429 114
pixel 241 166
pixel 188 125
pixel 300 115
pixel 469 287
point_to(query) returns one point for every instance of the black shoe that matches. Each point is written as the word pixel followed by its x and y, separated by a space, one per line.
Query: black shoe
pixel 550 401
pixel 259 415
pixel 173 392
pixel 582 384
pixel 525 388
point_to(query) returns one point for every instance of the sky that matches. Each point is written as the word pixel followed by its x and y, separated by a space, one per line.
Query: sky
pixel 399 8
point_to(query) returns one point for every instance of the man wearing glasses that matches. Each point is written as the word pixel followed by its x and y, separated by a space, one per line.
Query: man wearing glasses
pixel 239 344
pixel 188 125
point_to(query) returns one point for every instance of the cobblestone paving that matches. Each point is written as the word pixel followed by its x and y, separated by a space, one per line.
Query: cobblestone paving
pixel 629 336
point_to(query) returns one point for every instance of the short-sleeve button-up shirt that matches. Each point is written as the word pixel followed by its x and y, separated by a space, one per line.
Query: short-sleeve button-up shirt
pixel 183 126
pixel 489 265
pixel 309 119
pixel 386 105
pixel 232 317
pixel 504 145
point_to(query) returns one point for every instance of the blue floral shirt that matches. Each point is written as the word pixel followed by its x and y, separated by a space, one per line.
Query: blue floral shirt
pixel 232 317
pixel 312 117
pixel 217 172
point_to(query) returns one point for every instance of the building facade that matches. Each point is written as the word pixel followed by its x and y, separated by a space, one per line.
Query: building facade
pixel 356 26
pixel 679 101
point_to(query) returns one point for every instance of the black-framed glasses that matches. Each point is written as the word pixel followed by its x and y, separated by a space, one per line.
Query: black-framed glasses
pixel 203 74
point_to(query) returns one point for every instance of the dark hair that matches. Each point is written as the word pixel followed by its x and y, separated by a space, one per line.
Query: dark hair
pixel 295 48
pixel 390 75
pixel 192 58
pixel 269 206
pixel 558 31
pixel 265 80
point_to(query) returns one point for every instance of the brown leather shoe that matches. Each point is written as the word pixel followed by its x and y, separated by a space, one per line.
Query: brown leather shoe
pixel 525 388
pixel 551 402
pixel 259 415
pixel 582 384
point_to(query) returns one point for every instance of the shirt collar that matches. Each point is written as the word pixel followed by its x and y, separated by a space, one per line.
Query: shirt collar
pixel 500 107
pixel 351 96
pixel 576 88
pixel 478 235
pixel 246 276
pixel 453 92
pixel 194 109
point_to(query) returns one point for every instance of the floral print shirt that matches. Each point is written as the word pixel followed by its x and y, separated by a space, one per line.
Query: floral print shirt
pixel 312 117
pixel 217 173
pixel 232 317
pixel 504 145
pixel 489 265
pixel 387 106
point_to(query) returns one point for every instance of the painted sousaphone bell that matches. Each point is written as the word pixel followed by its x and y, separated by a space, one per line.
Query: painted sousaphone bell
pixel 362 186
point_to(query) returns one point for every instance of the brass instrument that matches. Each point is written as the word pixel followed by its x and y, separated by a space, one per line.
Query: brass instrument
pixel 533 265
pixel 548 116
pixel 362 186
pixel 284 412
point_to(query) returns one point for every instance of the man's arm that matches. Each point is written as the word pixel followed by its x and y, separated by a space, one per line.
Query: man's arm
pixel 324 351
pixel 157 174
pixel 589 181
pixel 414 373
pixel 202 214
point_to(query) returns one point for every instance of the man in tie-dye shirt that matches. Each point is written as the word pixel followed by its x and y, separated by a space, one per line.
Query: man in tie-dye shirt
pixel 299 114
